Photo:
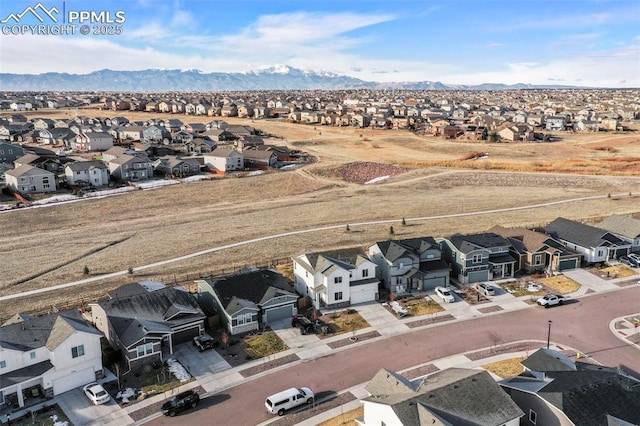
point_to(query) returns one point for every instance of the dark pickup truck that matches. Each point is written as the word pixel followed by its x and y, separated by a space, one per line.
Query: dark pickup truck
pixel 203 342
pixel 303 323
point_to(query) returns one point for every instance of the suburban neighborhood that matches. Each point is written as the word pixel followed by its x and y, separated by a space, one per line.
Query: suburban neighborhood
pixel 138 344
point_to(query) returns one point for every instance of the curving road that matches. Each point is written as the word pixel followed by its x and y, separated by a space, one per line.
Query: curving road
pixel 582 324
pixel 303 231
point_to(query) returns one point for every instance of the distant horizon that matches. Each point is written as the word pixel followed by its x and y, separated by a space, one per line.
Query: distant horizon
pixel 320 72
pixel 585 43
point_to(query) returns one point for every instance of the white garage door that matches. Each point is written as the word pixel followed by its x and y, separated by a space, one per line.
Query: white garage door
pixel 73 381
pixel 361 294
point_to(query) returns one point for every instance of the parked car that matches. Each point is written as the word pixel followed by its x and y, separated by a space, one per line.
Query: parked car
pixel 293 397
pixel 626 261
pixel 550 300
pixel 634 258
pixel 445 294
pixel 485 289
pixel 96 393
pixel 303 323
pixel 204 342
pixel 180 402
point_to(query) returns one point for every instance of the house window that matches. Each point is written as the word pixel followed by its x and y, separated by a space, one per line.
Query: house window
pixel 338 296
pixel 3 364
pixel 240 319
pixel 77 351
pixel 533 417
pixel 32 355
pixel 77 172
pixel 477 258
pixel 337 280
pixel 537 259
pixel 365 273
pixel 146 349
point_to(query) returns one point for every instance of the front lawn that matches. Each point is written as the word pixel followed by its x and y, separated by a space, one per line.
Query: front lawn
pixel 518 289
pixel 420 305
pixel 345 321
pixel 347 418
pixel 560 284
pixel 263 344
pixel 616 271
pixel 44 416
pixel 506 368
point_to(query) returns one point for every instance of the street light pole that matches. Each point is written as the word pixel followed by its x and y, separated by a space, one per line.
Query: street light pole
pixel 549 334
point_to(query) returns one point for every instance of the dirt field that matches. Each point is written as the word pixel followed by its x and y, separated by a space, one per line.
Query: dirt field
pixel 47 246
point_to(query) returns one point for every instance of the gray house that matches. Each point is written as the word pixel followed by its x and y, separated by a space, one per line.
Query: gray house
pixel 247 300
pixel 10 152
pixel 410 265
pixel 131 168
pixel 27 180
pixel 556 390
pixel 478 257
pixel 455 396
pixel 145 319
pixel 595 244
pixel 94 173
pixel 176 166
pixel 156 133
pixel 625 228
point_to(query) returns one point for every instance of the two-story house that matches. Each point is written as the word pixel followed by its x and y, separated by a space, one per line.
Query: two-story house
pixel 47 355
pixel 93 141
pixel 10 152
pixel 478 257
pixel 29 180
pixel 335 279
pixel 224 159
pixel 131 168
pixel 408 265
pixel 94 173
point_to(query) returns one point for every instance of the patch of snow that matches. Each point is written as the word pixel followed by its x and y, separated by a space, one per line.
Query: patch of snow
pixel 56 422
pixel 255 173
pixel 56 199
pixel 290 167
pixel 152 184
pixel 178 370
pixel 195 178
pixel 108 192
pixel 378 179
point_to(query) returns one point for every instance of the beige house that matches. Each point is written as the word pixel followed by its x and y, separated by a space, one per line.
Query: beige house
pixel 27 179
pixel 224 159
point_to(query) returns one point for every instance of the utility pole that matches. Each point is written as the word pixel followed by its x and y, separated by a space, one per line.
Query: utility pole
pixel 549 334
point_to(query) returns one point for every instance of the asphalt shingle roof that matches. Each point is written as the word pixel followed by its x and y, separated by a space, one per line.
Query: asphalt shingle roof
pixel 581 234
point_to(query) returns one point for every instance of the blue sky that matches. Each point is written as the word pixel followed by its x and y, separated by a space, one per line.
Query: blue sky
pixel 576 42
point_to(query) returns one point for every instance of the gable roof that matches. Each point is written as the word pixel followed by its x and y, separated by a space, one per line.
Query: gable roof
pixel 47 330
pixel 249 289
pixel 471 242
pixel 457 395
pixel 27 170
pixel 621 225
pixel 581 234
pixel 544 360
pixel 86 165
pixel 394 249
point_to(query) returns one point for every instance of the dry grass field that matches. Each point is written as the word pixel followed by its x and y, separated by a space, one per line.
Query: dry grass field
pixel 47 246
pixel 506 368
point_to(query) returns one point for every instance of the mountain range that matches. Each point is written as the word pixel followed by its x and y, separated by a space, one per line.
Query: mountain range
pixel 281 77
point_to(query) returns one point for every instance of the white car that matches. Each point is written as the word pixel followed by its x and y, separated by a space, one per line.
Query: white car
pixel 96 393
pixel 445 294
pixel 485 289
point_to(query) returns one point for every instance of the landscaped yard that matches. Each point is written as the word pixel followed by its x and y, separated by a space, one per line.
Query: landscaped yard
pixel 519 288
pixel 560 284
pixel 420 305
pixel 616 271
pixel 263 344
pixel 42 417
pixel 344 321
pixel 506 368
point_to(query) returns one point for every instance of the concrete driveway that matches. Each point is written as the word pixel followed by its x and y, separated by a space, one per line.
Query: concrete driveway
pixel 81 411
pixel 199 364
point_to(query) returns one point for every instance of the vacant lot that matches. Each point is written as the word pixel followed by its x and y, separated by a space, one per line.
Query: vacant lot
pixel 52 245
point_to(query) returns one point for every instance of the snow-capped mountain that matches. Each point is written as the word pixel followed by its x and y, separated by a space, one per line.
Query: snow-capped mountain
pixel 279 77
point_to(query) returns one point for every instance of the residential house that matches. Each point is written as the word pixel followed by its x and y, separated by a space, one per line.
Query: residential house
pixel 156 133
pixel 94 173
pixel 27 179
pixel 625 228
pixel 54 136
pixel 335 279
pixel 176 166
pixel 145 320
pixel 224 159
pixel 595 244
pixel 259 159
pixel 249 300
pixel 557 390
pixel 115 152
pixel 555 123
pixel 93 141
pixel 49 163
pixel 10 152
pixel 478 257
pixel 131 168
pixel 610 124
pixel 519 133
pixel 219 135
pixel 408 265
pixel 133 133
pixel 454 396
pixel 537 252
pixel 47 355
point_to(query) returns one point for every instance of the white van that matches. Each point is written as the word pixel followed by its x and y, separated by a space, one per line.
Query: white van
pixel 282 401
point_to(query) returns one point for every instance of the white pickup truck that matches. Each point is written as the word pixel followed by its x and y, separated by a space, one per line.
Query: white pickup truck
pixel 550 300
